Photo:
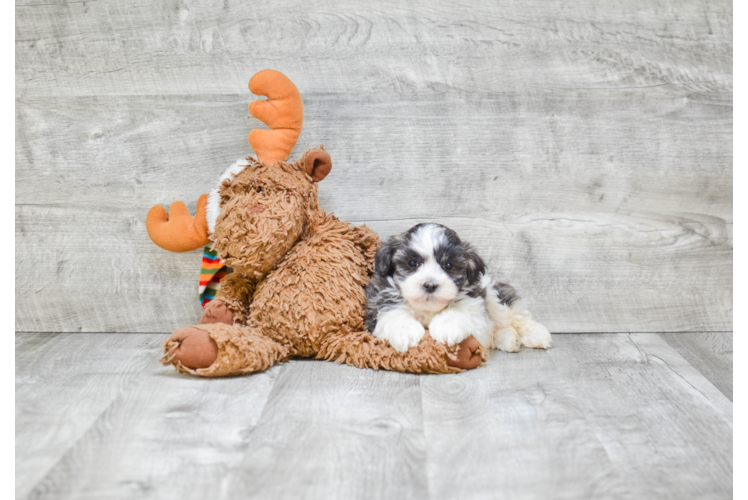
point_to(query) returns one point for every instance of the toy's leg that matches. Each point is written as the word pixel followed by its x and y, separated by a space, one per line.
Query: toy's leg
pixel 232 301
pixel 363 350
pixel 215 350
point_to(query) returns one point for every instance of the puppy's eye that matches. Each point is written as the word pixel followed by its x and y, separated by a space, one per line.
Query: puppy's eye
pixel 259 189
pixel 413 263
pixel 448 266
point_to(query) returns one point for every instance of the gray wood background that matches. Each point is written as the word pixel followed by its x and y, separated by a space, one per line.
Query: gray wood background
pixel 585 147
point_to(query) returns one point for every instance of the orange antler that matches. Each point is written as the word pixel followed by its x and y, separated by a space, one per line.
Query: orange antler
pixel 283 112
pixel 178 231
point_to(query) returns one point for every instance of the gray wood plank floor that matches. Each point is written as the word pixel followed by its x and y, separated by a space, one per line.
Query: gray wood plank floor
pixel 708 352
pixel 597 416
pixel 585 147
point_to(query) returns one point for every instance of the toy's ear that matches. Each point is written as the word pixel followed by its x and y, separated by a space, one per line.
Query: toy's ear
pixel 383 263
pixel 318 163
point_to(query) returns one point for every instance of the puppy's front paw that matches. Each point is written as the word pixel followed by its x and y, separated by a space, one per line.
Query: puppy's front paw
pixel 536 336
pixel 448 328
pixel 402 333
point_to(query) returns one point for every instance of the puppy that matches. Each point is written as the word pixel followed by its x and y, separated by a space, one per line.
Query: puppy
pixel 427 277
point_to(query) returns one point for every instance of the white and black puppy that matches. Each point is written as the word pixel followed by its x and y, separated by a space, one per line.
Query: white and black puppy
pixel 427 277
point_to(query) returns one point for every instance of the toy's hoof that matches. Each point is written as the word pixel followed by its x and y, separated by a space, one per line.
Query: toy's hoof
pixel 217 312
pixel 468 354
pixel 192 347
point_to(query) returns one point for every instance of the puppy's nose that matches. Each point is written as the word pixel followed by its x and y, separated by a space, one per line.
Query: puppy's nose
pixel 256 209
pixel 430 287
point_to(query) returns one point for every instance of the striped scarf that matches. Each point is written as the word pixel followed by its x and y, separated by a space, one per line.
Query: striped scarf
pixel 212 272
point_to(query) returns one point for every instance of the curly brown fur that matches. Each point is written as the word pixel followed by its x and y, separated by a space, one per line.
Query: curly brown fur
pixel 298 287
pixel 236 293
pixel 253 243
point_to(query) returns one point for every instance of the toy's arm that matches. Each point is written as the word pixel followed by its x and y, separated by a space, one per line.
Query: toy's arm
pixel 216 350
pixel 363 350
pixel 236 293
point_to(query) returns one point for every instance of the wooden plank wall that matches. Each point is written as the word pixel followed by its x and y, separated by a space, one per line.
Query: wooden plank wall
pixel 585 147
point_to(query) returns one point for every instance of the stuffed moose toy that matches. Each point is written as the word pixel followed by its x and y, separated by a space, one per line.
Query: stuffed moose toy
pixel 298 275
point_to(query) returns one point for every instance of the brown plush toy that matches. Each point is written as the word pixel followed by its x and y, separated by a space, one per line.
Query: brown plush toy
pixel 297 286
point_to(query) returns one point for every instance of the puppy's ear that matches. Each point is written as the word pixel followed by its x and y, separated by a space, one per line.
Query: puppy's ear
pixel 476 268
pixel 383 264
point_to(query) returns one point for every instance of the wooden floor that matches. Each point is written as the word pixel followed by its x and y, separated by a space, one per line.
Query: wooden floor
pixel 598 416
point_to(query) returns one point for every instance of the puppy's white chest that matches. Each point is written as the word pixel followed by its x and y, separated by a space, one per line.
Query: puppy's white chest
pixel 424 317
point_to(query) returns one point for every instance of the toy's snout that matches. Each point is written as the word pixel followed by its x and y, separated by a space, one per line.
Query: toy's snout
pixel 258 225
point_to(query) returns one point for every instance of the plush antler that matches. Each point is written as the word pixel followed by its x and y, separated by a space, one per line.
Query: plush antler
pixel 283 112
pixel 178 231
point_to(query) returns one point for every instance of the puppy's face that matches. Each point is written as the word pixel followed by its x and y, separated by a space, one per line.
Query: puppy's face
pixel 430 266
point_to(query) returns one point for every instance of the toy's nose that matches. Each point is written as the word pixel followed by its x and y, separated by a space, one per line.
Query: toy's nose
pixel 430 287
pixel 256 209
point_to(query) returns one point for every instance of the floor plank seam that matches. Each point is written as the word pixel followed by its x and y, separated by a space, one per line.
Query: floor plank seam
pixel 427 455
pixel 591 421
pixel 680 377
